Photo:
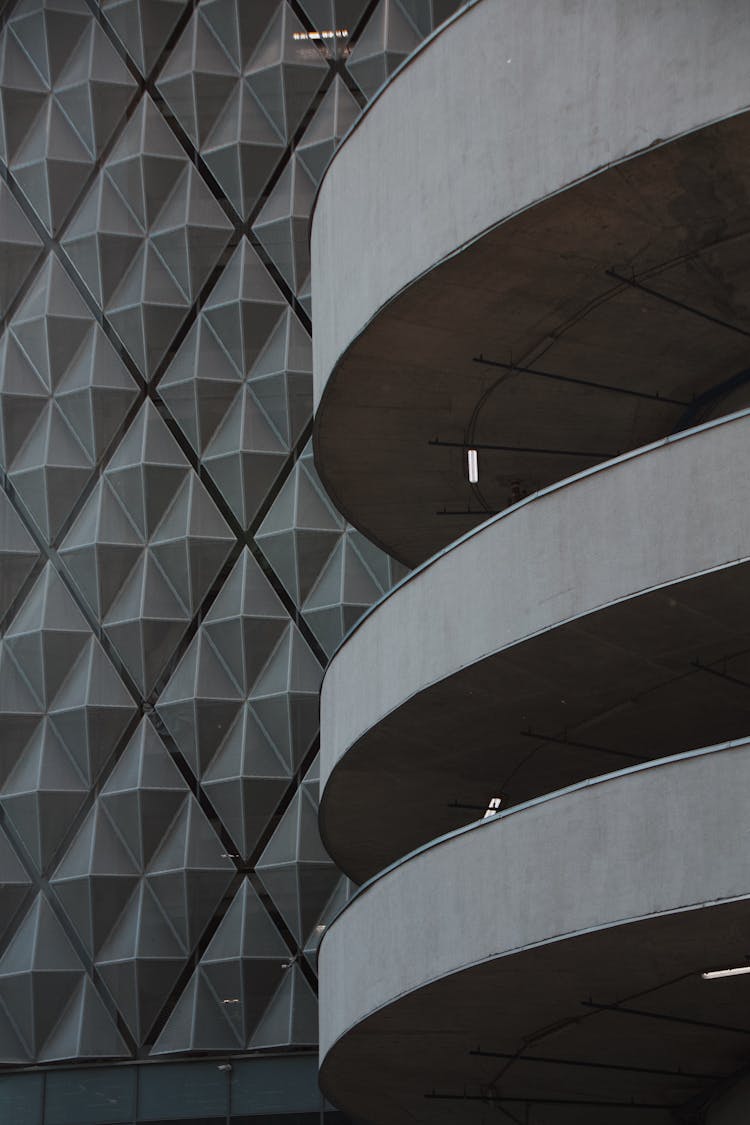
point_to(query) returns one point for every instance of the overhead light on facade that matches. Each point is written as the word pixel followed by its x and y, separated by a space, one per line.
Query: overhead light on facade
pixel 716 974
pixel 338 33
pixel 473 465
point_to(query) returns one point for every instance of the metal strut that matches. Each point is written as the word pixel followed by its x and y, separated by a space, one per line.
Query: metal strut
pixel 664 1016
pixel 517 448
pixel 495 1099
pixel 722 675
pixel 486 512
pixel 600 1065
pixel 581 382
pixel 678 304
pixel 581 745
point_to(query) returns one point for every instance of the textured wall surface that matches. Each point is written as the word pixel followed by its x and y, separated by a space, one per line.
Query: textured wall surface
pixel 172 576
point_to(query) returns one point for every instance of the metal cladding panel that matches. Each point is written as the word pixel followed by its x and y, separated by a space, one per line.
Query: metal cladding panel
pixel 172 576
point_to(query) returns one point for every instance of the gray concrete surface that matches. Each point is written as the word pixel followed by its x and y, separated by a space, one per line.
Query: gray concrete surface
pixel 493 123
pixel 588 613
pixel 511 103
pixel 495 936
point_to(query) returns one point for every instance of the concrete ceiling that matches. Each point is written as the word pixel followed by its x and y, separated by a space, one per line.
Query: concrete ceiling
pixel 535 291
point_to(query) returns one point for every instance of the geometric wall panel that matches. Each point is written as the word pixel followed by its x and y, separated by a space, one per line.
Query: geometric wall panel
pixel 240 98
pixel 63 91
pixel 164 234
pixel 336 114
pixel 294 867
pixel 12 1049
pixel 328 567
pixel 390 35
pixel 39 973
pixel 282 225
pixel 198 79
pixel 291 1017
pixel 14 883
pixel 143 794
pixel 42 794
pixel 243 149
pixel 172 574
pixel 242 704
pixel 140 961
pixel 240 385
pixel 20 247
pixel 143 26
pixel 145 623
pixel 189 872
pixel 95 879
pixel 20 712
pixel 147 547
pixel 101 549
pixel 199 704
pixel 344 589
pixel 301 530
pixel 46 635
pixel 237 976
pixel 246 780
pixel 18 553
pixel 283 73
pixel 91 711
pixel 85 1030
pixel 63 394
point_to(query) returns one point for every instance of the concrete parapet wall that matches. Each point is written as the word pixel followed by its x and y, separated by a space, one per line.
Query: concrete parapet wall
pixel 510 104
pixel 653 518
pixel 667 837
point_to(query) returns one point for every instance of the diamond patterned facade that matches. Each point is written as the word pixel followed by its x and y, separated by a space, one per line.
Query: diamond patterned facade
pixel 172 576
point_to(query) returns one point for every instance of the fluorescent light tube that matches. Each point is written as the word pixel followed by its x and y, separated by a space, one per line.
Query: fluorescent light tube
pixel 715 974
pixel 473 464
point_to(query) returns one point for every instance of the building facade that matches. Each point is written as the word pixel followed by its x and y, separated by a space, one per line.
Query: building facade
pixel 173 578
pixel 534 750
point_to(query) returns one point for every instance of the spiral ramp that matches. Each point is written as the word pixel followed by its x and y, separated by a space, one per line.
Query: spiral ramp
pixel 559 279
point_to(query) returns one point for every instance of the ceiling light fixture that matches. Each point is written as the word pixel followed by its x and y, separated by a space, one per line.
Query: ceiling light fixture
pixel 716 974
pixel 473 465
pixel 494 807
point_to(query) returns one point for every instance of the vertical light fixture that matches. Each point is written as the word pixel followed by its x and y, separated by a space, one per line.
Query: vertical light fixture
pixel 473 465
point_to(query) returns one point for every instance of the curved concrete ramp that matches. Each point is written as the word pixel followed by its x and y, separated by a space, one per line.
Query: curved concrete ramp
pixel 534 160
pixel 564 941
pixel 602 622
